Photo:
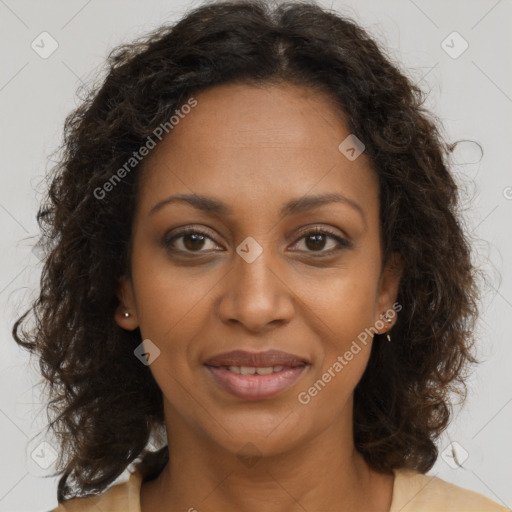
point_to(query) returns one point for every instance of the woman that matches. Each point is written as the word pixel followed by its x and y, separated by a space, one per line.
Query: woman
pixel 254 248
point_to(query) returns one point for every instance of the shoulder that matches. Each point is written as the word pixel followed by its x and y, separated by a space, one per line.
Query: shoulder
pixel 415 492
pixel 121 497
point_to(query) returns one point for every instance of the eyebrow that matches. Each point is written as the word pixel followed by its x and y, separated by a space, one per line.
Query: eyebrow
pixel 294 206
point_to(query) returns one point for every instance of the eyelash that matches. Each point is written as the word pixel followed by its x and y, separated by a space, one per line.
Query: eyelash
pixel 343 243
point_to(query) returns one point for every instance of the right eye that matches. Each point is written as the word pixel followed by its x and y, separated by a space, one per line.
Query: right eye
pixel 190 240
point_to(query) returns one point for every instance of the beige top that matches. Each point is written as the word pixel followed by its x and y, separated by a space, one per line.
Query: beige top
pixel 412 492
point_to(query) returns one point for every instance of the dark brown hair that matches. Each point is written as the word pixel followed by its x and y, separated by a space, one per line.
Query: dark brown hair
pixel 105 405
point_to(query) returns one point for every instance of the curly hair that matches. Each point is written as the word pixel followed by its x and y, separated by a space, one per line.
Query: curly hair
pixel 104 406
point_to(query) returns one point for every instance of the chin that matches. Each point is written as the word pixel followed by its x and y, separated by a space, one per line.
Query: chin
pixel 264 434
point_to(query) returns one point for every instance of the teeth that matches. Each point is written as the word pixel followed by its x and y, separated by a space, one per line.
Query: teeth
pixel 251 370
pixel 264 371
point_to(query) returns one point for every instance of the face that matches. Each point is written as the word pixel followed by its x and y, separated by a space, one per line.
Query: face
pixel 266 265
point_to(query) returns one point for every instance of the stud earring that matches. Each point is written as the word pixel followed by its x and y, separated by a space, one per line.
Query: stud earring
pixel 126 314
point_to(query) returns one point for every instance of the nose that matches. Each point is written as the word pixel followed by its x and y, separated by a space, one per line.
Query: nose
pixel 256 294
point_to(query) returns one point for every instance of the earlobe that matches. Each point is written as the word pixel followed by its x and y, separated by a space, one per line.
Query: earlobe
pixel 126 314
pixel 388 291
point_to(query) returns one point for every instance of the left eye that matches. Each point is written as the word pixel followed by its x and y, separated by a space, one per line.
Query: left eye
pixel 315 240
pixel 193 240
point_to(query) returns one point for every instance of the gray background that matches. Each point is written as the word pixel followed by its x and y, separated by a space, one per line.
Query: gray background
pixel 472 94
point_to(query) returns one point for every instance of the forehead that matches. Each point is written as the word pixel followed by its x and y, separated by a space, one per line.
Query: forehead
pixel 243 141
pixel 266 115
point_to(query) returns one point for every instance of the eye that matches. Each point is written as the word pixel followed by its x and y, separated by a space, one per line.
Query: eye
pixel 315 240
pixel 192 240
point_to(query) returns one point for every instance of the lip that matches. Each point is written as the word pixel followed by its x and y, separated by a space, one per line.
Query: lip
pixel 256 359
pixel 255 387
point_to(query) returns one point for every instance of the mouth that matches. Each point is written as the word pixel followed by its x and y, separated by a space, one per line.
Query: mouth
pixel 256 375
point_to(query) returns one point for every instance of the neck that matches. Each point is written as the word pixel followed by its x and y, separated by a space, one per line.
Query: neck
pixel 323 473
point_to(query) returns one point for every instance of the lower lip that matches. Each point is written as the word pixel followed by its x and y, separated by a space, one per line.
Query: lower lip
pixel 256 387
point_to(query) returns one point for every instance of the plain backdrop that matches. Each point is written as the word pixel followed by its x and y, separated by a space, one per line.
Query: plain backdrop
pixel 470 89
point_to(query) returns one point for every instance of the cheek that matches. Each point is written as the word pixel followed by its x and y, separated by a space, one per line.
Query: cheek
pixel 169 313
pixel 343 304
pixel 330 392
pixel 343 301
pixel 168 300
pixel 335 376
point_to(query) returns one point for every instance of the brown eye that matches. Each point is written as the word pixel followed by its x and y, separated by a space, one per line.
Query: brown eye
pixel 315 241
pixel 190 240
pixel 193 241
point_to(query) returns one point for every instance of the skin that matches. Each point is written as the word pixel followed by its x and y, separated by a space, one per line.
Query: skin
pixel 255 148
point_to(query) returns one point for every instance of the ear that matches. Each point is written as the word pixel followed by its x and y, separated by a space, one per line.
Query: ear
pixel 387 292
pixel 126 297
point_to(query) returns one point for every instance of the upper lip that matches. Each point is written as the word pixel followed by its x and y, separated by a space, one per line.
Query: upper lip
pixel 256 359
